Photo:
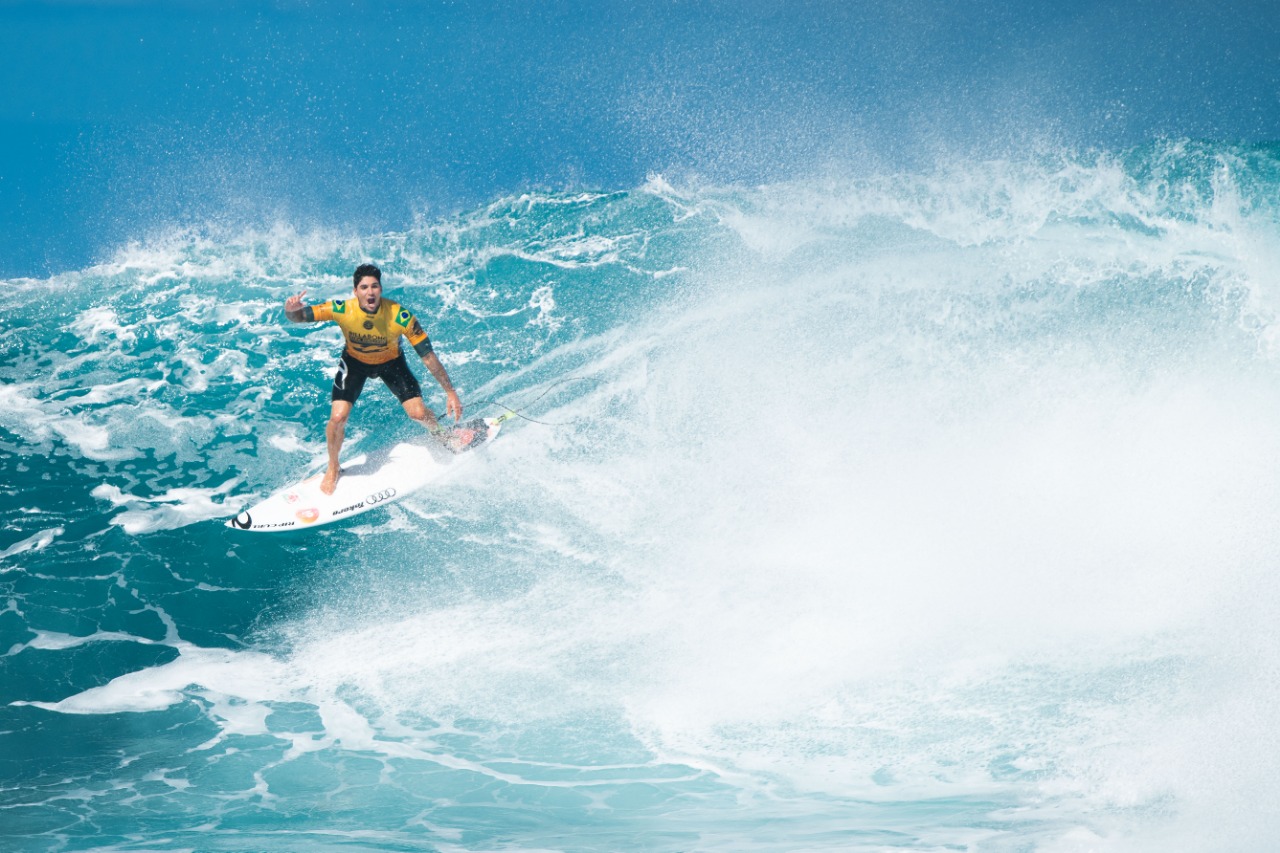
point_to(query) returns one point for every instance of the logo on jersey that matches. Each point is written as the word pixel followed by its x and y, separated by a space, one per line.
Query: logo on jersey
pixel 368 324
pixel 339 307
pixel 365 341
pixel 404 318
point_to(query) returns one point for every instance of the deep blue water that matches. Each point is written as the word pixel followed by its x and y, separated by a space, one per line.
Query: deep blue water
pixel 899 462
pixel 120 118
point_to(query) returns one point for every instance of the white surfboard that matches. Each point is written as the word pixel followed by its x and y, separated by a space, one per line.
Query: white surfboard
pixel 369 481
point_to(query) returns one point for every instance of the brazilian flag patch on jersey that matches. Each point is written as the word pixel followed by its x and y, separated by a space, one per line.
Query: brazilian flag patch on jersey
pixel 404 318
pixel 339 307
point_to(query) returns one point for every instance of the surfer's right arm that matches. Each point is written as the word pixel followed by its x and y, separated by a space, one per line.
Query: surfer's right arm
pixel 296 311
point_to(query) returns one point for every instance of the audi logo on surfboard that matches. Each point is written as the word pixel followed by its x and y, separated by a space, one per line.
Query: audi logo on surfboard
pixel 379 497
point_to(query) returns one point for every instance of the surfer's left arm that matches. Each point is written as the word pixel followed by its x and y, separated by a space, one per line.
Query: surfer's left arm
pixel 453 404
pixel 422 346
pixel 431 361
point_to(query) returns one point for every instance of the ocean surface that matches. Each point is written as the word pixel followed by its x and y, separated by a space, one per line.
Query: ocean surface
pixel 896 468
pixel 930 512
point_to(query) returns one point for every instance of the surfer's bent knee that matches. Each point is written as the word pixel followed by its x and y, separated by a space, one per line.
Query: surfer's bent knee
pixel 415 408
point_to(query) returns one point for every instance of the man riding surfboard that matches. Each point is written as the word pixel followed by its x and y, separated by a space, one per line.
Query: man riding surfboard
pixel 373 327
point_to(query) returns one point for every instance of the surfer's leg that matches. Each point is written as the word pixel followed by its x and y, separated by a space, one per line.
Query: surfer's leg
pixel 334 433
pixel 348 382
pixel 416 409
pixel 404 385
pixel 456 439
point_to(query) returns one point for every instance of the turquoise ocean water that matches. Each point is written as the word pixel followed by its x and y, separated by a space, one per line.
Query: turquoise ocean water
pixel 928 511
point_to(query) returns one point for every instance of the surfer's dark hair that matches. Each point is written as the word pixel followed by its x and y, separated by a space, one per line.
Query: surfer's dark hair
pixel 364 270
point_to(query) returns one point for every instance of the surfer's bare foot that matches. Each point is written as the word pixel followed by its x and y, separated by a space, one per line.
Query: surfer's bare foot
pixel 330 481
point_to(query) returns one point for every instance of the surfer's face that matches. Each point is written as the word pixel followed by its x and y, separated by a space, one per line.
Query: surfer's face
pixel 369 292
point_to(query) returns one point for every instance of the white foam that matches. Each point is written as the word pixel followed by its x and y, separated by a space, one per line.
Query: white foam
pixel 35 542
pixel 289 440
pixel 239 688
pixel 131 390
pixel 55 641
pixel 174 509
pixel 157 688
pixel 101 324
pixel 41 421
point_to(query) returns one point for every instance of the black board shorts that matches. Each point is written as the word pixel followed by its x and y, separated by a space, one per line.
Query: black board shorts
pixel 349 381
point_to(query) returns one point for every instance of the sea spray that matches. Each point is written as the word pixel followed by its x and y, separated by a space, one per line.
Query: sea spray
pixel 925 510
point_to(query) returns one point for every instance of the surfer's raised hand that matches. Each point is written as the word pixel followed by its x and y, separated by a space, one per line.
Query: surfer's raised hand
pixel 294 309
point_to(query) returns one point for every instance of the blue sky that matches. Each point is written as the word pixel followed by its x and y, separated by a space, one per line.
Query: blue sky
pixel 119 118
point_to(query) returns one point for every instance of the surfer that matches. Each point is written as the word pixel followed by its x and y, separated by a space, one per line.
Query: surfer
pixel 372 327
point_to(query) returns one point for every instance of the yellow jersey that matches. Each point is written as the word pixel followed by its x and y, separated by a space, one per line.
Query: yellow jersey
pixel 374 338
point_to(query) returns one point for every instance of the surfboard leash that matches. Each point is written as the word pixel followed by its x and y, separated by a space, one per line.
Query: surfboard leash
pixel 513 413
pixel 518 413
